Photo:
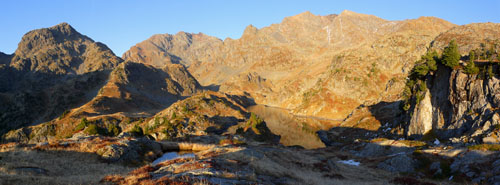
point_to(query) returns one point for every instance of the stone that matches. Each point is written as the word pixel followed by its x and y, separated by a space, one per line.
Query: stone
pixel 421 121
pixel 399 163
pixel 436 166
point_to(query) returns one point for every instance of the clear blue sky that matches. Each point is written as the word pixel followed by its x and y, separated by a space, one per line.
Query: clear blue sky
pixel 121 24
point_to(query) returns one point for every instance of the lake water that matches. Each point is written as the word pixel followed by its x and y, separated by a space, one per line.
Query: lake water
pixel 294 130
pixel 173 155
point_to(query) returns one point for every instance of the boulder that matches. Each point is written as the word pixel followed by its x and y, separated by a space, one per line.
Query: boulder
pixel 399 163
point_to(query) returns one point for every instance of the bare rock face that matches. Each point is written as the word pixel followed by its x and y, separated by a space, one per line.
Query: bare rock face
pixel 421 123
pixel 52 70
pixel 305 60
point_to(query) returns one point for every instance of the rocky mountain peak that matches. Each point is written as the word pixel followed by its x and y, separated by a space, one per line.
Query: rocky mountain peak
pixel 38 39
pixel 61 49
pixel 250 30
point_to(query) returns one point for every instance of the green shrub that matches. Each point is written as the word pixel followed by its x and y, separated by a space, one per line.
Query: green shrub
pixel 173 116
pixel 137 131
pixel 66 112
pixel 83 123
pixel 113 130
pixel 471 68
pixel 92 129
pixel 256 123
pixel 421 70
pixel 490 72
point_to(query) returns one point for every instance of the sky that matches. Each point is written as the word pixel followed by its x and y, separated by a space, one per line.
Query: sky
pixel 121 24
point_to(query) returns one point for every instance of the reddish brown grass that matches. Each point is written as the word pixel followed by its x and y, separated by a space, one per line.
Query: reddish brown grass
pixel 115 179
pixel 141 170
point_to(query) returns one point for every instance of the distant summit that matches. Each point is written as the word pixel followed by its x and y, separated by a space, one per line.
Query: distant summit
pixel 61 49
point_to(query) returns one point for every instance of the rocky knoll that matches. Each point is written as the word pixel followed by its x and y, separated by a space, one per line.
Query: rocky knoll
pixel 132 91
pixel 138 88
pixel 303 63
pixel 458 104
pixel 52 70
pixel 181 48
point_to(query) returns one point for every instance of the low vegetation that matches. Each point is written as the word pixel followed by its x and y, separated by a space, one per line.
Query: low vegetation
pixel 485 147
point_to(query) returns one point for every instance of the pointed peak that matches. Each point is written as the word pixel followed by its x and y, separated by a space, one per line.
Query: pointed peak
pixel 64 28
pixel 250 29
pixel 304 15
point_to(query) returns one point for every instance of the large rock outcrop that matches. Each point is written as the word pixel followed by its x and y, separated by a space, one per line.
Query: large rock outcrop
pixel 459 104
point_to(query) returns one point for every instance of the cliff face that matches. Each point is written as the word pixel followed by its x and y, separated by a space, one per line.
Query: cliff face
pixel 458 104
pixel 304 62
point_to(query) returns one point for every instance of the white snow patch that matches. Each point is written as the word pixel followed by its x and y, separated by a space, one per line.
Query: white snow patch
pixel 350 162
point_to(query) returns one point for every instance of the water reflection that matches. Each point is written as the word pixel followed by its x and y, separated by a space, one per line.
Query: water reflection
pixel 294 130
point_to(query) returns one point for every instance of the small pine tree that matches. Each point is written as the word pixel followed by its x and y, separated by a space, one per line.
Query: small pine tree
pixel 490 72
pixel 451 56
pixel 472 56
pixel 471 68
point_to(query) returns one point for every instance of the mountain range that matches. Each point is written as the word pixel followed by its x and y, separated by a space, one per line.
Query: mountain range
pixel 360 73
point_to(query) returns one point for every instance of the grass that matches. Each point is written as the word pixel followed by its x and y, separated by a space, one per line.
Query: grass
pixel 376 140
pixel 413 143
pixel 231 142
pixel 429 136
pixel 485 147
pixel 64 167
